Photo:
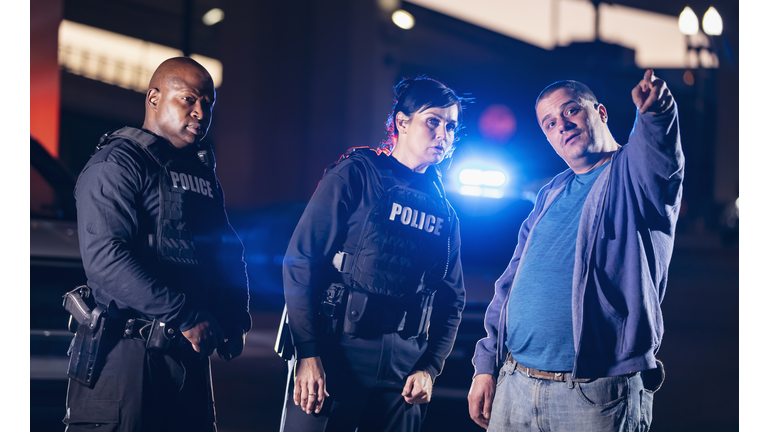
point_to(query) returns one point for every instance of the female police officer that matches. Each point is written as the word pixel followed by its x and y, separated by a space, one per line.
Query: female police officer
pixel 373 263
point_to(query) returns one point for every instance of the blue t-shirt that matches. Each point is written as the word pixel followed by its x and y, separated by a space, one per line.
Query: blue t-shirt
pixel 540 322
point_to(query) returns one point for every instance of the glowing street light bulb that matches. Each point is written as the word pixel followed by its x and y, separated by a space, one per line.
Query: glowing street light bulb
pixel 712 23
pixel 688 23
pixel 213 16
pixel 403 19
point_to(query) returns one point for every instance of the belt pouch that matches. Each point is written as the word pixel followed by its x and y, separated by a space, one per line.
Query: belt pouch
pixel 86 353
pixel 354 324
pixel 160 336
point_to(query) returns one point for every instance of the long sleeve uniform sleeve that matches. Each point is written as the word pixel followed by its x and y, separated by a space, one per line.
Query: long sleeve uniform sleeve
pixel 316 238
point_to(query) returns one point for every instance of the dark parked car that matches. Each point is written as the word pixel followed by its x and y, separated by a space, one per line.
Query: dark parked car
pixel 55 267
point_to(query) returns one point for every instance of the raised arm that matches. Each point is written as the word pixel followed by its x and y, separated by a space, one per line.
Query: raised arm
pixel 655 155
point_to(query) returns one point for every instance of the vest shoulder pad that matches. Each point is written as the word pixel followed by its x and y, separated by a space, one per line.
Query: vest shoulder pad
pixel 128 133
pixel 354 151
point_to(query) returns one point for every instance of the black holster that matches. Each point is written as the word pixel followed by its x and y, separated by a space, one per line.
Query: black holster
pixel 87 353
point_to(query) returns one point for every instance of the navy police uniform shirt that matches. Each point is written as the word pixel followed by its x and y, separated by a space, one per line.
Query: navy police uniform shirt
pixel 333 222
pixel 118 204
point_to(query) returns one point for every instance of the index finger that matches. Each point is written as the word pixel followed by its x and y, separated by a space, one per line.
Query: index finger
pixel 649 75
pixel 296 392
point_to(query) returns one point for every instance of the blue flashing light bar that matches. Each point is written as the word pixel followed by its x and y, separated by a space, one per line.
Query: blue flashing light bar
pixel 484 183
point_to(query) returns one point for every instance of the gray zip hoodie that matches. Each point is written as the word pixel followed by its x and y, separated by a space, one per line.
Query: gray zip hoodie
pixel 623 249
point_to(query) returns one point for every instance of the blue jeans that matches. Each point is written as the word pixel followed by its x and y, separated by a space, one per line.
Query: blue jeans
pixel 615 404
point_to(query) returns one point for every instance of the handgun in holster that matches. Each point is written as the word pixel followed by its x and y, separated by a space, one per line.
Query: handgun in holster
pixel 91 323
pixel 79 303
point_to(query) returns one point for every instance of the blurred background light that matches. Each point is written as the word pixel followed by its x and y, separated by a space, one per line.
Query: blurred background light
pixel 117 59
pixel 497 123
pixel 471 190
pixel 213 16
pixel 688 23
pixel 688 78
pixel 403 19
pixel 712 23
pixel 543 24
pixel 529 196
pixel 482 180
pixel 471 177
pixel 388 6
pixel 476 177
pixel 494 178
pixel 492 193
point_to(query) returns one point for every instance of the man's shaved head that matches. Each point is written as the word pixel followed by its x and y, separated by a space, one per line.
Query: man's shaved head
pixel 179 101
pixel 171 68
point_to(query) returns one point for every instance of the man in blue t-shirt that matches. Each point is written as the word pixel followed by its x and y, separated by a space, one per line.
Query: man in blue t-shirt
pixel 575 322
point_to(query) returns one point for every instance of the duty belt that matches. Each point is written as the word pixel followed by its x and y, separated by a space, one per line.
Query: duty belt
pixel 141 329
pixel 137 328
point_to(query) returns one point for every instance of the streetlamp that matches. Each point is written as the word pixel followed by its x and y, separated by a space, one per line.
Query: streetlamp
pixel 712 24
pixel 699 182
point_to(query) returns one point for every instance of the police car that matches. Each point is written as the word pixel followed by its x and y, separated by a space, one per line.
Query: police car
pixel 55 268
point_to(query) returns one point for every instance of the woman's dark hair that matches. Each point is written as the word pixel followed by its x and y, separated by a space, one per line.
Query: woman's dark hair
pixel 413 95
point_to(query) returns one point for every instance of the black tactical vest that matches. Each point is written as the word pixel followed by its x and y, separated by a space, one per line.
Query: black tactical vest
pixel 405 243
pixel 189 200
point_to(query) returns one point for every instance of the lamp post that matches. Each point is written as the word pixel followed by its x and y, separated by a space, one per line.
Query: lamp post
pixel 699 174
pixel 712 24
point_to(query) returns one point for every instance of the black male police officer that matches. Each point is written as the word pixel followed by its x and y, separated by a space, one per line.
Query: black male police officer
pixel 163 261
